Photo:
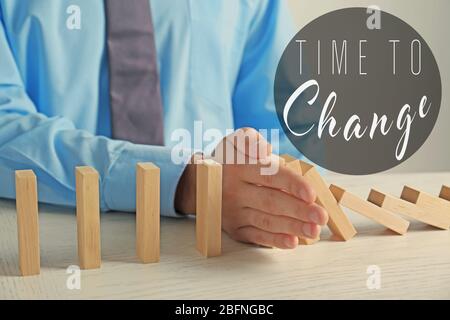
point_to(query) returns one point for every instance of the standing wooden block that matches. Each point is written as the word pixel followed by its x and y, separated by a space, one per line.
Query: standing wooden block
pixel 369 210
pixel 406 208
pixel 88 217
pixel 338 221
pixel 27 223
pixel 445 193
pixel 209 208
pixel 432 205
pixel 147 212
pixel 294 164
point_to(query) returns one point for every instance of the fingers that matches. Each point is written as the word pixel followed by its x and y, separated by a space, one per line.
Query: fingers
pixel 254 235
pixel 279 203
pixel 285 179
pixel 251 143
pixel 241 144
pixel 280 224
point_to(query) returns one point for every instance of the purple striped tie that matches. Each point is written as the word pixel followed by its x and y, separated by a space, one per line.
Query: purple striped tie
pixel 135 98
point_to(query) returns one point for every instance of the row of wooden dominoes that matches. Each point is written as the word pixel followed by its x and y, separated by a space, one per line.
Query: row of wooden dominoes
pixel 208 225
pixel 380 207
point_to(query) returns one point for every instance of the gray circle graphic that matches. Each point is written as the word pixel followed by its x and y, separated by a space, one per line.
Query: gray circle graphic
pixel 356 97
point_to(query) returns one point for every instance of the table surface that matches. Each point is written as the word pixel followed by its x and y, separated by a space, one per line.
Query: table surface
pixel 416 265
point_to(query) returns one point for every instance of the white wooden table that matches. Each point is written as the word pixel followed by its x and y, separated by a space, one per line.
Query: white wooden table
pixel 416 265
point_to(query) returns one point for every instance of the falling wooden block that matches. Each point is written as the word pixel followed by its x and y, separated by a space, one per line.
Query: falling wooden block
pixel 338 221
pixel 445 193
pixel 294 164
pixel 209 208
pixel 406 209
pixel 147 212
pixel 432 205
pixel 88 217
pixel 27 223
pixel 370 210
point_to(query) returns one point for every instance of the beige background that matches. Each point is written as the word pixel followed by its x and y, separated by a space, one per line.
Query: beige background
pixel 431 18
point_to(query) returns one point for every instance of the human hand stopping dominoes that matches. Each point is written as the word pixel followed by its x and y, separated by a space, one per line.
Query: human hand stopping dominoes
pixel 271 210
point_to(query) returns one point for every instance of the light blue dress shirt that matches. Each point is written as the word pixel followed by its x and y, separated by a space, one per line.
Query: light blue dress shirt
pixel 217 62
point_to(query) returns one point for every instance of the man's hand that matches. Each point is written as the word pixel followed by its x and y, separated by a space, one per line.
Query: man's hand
pixel 268 210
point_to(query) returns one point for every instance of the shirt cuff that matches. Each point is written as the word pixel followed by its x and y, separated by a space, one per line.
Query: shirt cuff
pixel 119 185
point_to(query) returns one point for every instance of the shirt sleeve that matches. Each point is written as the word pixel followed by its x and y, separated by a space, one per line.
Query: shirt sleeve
pixel 270 31
pixel 52 147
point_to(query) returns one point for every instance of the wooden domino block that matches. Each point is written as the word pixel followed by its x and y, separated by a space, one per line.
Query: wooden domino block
pixel 147 212
pixel 209 208
pixel 27 223
pixel 294 164
pixel 370 210
pixel 88 217
pixel 338 221
pixel 431 205
pixel 306 241
pixel 445 193
pixel 406 209
pixel 287 158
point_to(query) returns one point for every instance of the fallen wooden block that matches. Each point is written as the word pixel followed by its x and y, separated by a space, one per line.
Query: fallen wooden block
pixel 209 208
pixel 406 208
pixel 88 217
pixel 147 212
pixel 369 210
pixel 27 223
pixel 445 193
pixel 338 221
pixel 431 205
pixel 294 164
